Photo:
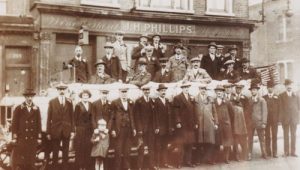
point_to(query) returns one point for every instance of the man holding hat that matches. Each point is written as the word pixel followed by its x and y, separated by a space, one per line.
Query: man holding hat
pixel 289 117
pixel 101 77
pixel 186 123
pixel 123 129
pixel 82 70
pixel 259 112
pixel 26 133
pixel 197 74
pixel 144 117
pixel 159 48
pixel 163 75
pixel 139 51
pixel 230 73
pixel 209 62
pixel 141 76
pixel 272 120
pixel 249 73
pixel 112 62
pixel 122 52
pixel 178 64
pixel 60 125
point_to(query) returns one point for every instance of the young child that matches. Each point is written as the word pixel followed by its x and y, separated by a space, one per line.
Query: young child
pixel 100 140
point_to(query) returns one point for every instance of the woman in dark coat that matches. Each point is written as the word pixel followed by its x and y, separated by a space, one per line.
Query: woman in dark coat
pixel 26 133
pixel 84 131
pixel 224 112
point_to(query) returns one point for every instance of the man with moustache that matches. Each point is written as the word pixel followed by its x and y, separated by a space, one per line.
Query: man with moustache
pixel 139 51
pixel 197 74
pixel 289 117
pixel 152 61
pixel 209 62
pixel 60 125
pixel 159 48
pixel 101 77
pixel 249 73
pixel 123 129
pixel 144 118
pixel 163 75
pixel 230 73
pixel 26 133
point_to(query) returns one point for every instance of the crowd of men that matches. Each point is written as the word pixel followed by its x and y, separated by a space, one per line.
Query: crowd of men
pixel 185 131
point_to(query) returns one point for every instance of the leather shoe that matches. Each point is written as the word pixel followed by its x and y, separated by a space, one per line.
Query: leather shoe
pixel 227 162
pixel 264 156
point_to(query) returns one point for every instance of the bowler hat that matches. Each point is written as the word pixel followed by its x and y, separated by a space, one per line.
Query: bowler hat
pixel 163 59
pixel 229 62
pixel 254 86
pixel 161 86
pixel 104 91
pixel 29 92
pixel 239 86
pixel 61 85
pixel 156 34
pixel 220 87
pixel 228 85
pixel 85 92
pixel 245 60
pixel 212 44
pixel 123 89
pixel 233 47
pixel 108 45
pixel 288 82
pixel 99 61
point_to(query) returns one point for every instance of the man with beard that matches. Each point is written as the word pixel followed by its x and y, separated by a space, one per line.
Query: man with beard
pixel 249 73
pixel 60 126
pixel 101 77
pixel 82 72
pixel 159 48
pixel 144 118
pixel 26 133
pixel 197 74
pixel 139 51
pixel 163 75
pixel 209 62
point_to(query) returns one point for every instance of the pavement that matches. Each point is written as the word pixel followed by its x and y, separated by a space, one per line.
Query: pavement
pixel 257 163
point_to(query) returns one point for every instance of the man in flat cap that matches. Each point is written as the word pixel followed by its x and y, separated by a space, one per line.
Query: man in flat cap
pixel 60 125
pixel 122 52
pixel 139 51
pixel 26 133
pixel 230 74
pixel 272 121
pixel 197 74
pixel 141 76
pixel 289 117
pixel 123 129
pixel 101 77
pixel 163 75
pixel 112 62
pixel 248 73
pixel 209 62
pixel 81 74
pixel 159 48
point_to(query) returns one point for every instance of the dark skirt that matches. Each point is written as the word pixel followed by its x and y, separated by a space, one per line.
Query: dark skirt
pixel 83 146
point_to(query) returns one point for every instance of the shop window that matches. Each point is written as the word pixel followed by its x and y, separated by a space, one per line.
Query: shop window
pixel 180 6
pixel 3 4
pixel 104 3
pixel 219 7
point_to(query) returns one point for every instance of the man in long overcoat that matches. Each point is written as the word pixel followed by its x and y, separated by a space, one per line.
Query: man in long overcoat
pixel 60 125
pixel 289 117
pixel 26 133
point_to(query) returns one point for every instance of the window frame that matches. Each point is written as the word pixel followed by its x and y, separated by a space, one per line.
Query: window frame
pixel 228 11
pixel 190 9
pixel 5 7
pixel 114 4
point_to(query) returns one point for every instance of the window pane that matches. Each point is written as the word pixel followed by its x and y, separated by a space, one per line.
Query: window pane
pixel 169 4
pixel 2 7
pixel 216 5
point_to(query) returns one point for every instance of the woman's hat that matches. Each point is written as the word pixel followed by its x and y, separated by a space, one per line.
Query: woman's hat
pixel 85 92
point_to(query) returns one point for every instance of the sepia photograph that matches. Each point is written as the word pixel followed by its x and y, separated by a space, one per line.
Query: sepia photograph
pixel 149 84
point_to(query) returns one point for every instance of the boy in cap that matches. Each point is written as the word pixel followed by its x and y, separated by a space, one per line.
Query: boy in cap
pixel 26 136
pixel 163 75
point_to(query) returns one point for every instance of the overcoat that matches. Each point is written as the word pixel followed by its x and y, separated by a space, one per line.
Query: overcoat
pixel 273 109
pixel 259 112
pixel 101 111
pixel 162 78
pixel 177 67
pixel 162 113
pixel 113 67
pixel 289 109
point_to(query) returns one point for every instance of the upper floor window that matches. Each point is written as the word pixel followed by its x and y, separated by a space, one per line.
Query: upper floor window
pixel 105 3
pixel 3 7
pixel 180 6
pixel 219 7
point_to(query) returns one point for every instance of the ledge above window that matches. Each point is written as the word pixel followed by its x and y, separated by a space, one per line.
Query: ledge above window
pixel 111 4
pixel 220 14
pixel 165 10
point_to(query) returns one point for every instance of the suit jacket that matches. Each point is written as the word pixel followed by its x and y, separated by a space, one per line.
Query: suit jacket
pixel 121 51
pixel 210 66
pixel 237 60
pixel 250 73
pixel 158 52
pixel 60 118
pixel 152 65
pixel 140 79
pixel 232 77
pixel 122 118
pixel 136 54
pixel 259 112
pixel 289 108
pixel 162 78
pixel 100 111
pixel 83 117
pixel 82 70
pixel 144 115
pixel 201 76
pixel 113 67
pixel 106 79
pixel 273 109
pixel 162 113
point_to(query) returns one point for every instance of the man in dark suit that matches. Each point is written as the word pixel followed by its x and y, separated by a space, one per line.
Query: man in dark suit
pixel 272 120
pixel 209 62
pixel 144 118
pixel 139 51
pixel 159 48
pixel 221 58
pixel 26 133
pixel 80 64
pixel 249 73
pixel 289 117
pixel 232 55
pixel 163 127
pixel 186 123
pixel 163 75
pixel 152 61
pixel 60 125
pixel 123 129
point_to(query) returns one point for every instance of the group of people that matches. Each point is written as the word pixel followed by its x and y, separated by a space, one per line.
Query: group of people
pixel 149 62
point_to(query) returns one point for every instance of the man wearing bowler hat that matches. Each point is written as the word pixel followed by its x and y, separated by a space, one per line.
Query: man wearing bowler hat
pixel 272 120
pixel 60 125
pixel 122 52
pixel 289 117
pixel 163 75
pixel 112 62
pixel 141 76
pixel 101 77
pixel 259 112
pixel 159 48
pixel 209 62
pixel 249 73
pixel 26 133
pixel 197 74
